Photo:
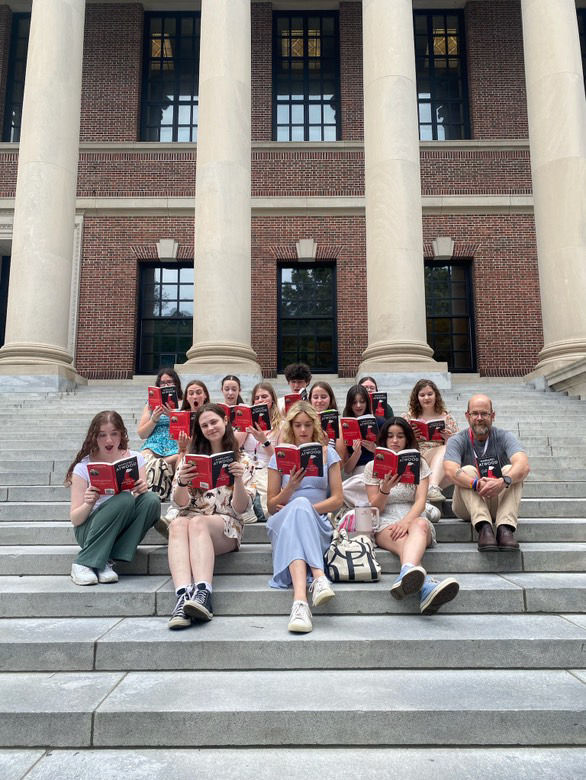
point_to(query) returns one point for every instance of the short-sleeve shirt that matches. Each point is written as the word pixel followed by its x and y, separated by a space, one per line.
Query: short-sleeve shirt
pixel 501 445
pixel 81 470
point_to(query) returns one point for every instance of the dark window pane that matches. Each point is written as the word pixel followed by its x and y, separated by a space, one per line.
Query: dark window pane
pixel 447 295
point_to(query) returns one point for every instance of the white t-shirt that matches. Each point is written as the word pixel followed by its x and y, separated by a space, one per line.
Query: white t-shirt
pixel 81 470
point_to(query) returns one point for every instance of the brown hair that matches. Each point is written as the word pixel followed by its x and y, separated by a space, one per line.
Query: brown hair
pixel 414 405
pixel 174 376
pixel 90 443
pixel 200 445
pixel 328 388
pixel 185 405
pixel 275 414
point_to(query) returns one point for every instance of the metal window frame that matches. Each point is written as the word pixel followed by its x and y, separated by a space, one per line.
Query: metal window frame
pixel 9 100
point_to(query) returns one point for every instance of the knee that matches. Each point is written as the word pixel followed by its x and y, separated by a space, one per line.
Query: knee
pixel 471 471
pixel 197 525
pixel 301 503
pixel 150 500
pixel 124 499
pixel 178 527
pixel 420 525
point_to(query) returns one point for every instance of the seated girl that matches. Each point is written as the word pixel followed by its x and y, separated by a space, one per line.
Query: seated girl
pixel 195 396
pixel 356 456
pixel 231 389
pixel 259 446
pixel 370 384
pixel 402 527
pixel 154 427
pixel 209 522
pixel 321 397
pixel 298 528
pixel 107 527
pixel 426 403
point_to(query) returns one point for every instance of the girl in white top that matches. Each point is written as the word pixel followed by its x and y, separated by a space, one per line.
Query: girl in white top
pixel 259 444
pixel 231 389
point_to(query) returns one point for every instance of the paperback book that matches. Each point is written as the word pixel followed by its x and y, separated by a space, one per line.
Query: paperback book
pixel 363 427
pixel 113 478
pixel 159 396
pixel 181 423
pixel 330 423
pixel 406 463
pixel 429 429
pixel 378 403
pixel 489 467
pixel 212 470
pixel 309 456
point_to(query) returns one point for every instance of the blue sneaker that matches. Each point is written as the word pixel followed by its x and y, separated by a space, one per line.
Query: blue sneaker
pixel 410 580
pixel 434 594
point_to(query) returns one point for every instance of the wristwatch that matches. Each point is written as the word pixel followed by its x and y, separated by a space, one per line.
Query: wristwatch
pixel 182 484
pixel 507 480
pixel 266 443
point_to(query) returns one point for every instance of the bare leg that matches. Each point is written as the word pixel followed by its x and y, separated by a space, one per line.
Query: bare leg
pixel 409 548
pixel 178 551
pixel 206 540
pixel 298 571
pixel 172 461
pixel 435 460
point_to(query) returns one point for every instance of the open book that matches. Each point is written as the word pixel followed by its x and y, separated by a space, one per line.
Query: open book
pixel 429 429
pixel 308 456
pixel 330 423
pixel 363 427
pixel 181 423
pixel 406 463
pixel 159 396
pixel 212 470
pixel 113 478
pixel 378 403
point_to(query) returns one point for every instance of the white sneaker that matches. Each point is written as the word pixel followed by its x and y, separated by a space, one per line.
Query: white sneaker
pixel 433 513
pixel 300 618
pixel 83 575
pixel 107 574
pixel 435 494
pixel 321 591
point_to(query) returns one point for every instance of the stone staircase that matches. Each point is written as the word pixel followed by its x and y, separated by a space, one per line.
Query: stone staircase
pixel 92 680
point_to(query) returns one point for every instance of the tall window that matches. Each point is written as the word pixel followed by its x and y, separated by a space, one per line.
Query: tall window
pixel 15 80
pixel 170 77
pixel 165 326
pixel 306 76
pixel 441 76
pixel 450 322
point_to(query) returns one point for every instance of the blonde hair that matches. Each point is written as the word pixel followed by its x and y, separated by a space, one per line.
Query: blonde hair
pixel 302 407
pixel 275 414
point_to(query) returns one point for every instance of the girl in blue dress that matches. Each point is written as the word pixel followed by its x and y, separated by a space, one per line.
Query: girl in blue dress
pixel 154 423
pixel 298 528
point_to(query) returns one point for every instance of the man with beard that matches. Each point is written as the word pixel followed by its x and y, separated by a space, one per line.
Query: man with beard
pixel 487 465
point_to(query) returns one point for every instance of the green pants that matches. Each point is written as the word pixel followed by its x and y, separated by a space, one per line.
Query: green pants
pixel 116 528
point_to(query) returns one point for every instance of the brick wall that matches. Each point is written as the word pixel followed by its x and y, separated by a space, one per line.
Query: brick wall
pixel 112 61
pixel 351 87
pixel 496 75
pixel 344 232
pixel 5 31
pixel 507 303
pixel 262 74
pixel 108 304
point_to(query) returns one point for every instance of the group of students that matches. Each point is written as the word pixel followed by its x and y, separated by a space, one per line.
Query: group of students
pixel 206 523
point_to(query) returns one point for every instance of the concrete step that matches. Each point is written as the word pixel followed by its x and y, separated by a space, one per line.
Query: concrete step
pixel 447 530
pixel 459 763
pixel 338 642
pixel 399 707
pixel 257 559
pixel 136 596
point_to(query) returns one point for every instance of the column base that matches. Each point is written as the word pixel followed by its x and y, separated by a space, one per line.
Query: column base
pixel 570 378
pixel 211 361
pixel 559 354
pixel 399 364
pixel 38 378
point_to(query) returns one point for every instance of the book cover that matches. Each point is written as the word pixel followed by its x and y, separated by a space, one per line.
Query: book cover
pixel 159 396
pixel 212 470
pixel 330 423
pixel 489 467
pixel 261 416
pixel 226 409
pixel 406 463
pixel 430 429
pixel 378 403
pixel 368 427
pixel 113 478
pixel 307 456
pixel 292 398
pixel 241 417
pixel 180 422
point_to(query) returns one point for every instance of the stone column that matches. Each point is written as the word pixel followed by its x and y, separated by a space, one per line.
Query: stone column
pixel 557 134
pixel 35 351
pixel 221 322
pixel 394 239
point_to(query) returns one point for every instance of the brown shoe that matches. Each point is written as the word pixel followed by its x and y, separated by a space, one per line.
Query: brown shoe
pixel 506 538
pixel 486 539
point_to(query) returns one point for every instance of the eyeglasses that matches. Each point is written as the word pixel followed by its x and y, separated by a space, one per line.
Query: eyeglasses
pixel 481 415
pixel 168 384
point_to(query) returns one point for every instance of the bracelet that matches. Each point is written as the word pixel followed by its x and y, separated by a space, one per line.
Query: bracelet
pixel 474 484
pixel 181 484
pixel 383 492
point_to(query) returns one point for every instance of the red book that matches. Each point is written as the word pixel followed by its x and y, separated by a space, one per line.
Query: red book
pixel 378 402
pixel 113 478
pixel 159 396
pixel 180 422
pixel 290 399
pixel 363 427
pixel 227 410
pixel 212 470
pixel 429 429
pixel 330 423
pixel 308 456
pixel 240 417
pixel 407 463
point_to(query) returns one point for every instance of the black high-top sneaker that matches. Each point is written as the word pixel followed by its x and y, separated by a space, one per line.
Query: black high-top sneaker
pixel 199 603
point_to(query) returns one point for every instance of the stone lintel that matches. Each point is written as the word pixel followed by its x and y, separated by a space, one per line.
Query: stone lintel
pixel 39 378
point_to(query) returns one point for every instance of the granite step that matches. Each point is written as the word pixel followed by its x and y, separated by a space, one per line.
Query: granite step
pixel 338 642
pixel 138 595
pixel 459 763
pixel 399 707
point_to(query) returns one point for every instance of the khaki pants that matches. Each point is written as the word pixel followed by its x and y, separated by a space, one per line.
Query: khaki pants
pixel 503 509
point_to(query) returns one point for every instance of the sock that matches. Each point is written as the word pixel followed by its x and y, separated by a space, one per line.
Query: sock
pixel 204 585
pixel 180 591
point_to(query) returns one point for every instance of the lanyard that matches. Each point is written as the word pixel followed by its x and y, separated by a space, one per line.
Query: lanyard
pixel 474 451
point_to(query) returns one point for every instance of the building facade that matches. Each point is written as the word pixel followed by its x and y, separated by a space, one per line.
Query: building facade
pixel 381 185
